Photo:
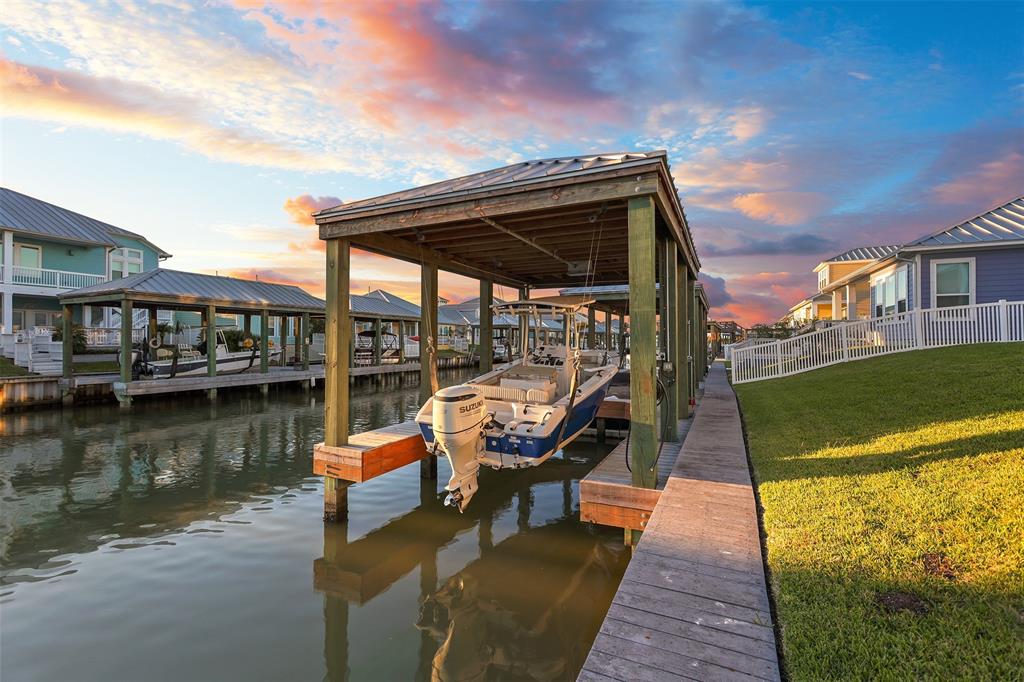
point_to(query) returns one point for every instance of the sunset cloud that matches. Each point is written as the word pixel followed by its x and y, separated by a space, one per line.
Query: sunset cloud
pixel 992 182
pixel 301 208
pixel 781 208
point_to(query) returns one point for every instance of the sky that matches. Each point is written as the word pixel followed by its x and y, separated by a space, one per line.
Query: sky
pixel 795 131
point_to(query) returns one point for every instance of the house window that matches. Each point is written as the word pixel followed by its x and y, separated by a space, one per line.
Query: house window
pixel 28 256
pixel 822 278
pixel 889 293
pixel 952 282
pixel 124 262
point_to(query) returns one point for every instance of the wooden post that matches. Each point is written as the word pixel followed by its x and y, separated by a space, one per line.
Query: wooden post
pixel 126 340
pixel 428 329
pixel 608 330
pixel 591 328
pixel 283 339
pixel 428 349
pixel 690 324
pixel 211 347
pixel 673 339
pixel 305 341
pixel 682 388
pixel 524 324
pixel 264 341
pixel 67 345
pixel 152 322
pixel 336 365
pixel 642 392
pixel 486 345
pixel 246 325
pixel 352 343
pixel 378 330
pixel 401 342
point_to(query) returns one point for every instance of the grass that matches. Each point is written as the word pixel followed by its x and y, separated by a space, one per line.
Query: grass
pixel 9 369
pixel 893 502
pixel 97 367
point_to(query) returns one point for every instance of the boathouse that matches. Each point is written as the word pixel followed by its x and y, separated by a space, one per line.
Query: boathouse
pixel 546 224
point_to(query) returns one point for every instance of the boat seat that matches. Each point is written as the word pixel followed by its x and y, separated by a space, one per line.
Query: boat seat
pixel 519 394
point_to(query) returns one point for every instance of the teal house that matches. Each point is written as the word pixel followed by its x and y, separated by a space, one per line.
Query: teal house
pixel 47 250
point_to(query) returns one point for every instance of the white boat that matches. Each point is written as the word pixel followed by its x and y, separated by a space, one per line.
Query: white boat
pixel 186 361
pixel 523 412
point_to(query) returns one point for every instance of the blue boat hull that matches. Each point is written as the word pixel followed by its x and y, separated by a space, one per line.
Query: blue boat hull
pixel 534 448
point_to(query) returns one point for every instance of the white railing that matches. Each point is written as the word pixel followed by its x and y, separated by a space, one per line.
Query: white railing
pixel 856 340
pixel 728 348
pixel 57 279
pixel 111 336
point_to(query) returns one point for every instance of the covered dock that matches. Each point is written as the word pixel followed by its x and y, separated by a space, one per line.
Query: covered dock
pixel 210 296
pixel 554 223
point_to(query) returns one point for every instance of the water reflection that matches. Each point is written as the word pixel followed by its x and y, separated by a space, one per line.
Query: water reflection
pixel 189 528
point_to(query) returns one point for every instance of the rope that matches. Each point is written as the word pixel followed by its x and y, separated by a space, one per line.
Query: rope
pixel 572 399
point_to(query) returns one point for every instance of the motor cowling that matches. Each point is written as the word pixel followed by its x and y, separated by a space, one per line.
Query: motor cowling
pixel 458 415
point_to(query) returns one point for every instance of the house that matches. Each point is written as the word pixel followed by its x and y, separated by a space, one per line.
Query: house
pixel 730 332
pixel 979 260
pixel 833 298
pixel 714 338
pixel 815 307
pixel 47 250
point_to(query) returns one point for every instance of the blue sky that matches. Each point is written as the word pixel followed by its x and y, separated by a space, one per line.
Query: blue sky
pixel 794 130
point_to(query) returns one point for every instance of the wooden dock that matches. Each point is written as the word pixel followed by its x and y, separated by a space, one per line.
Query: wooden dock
pixel 693 603
pixel 607 493
pixel 204 383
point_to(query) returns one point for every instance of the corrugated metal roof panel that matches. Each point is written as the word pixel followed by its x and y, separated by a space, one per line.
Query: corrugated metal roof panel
pixel 197 288
pixel 22 213
pixel 864 253
pixel 1004 223
pixel 506 175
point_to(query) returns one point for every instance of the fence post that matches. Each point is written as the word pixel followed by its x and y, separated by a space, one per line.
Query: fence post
pixel 845 341
pixel 1004 320
pixel 778 357
pixel 918 328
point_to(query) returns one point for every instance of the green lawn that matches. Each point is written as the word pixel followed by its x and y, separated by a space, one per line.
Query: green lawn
pixel 893 496
pixel 9 369
pixel 97 367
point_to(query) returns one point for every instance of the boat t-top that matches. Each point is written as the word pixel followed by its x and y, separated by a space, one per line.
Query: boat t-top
pixel 522 412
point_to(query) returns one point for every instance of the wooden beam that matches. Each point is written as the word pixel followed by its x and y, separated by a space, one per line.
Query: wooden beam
pixel 673 340
pixel 533 199
pixel 67 342
pixel 608 330
pixel 691 334
pixel 428 330
pixel 486 345
pixel 401 341
pixel 682 387
pixel 126 341
pixel 378 329
pixel 305 340
pixel 642 393
pixel 282 339
pixel 211 341
pixel 338 337
pixel 591 328
pixel 264 341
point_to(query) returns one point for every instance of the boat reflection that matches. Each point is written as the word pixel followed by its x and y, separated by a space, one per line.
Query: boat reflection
pixel 522 609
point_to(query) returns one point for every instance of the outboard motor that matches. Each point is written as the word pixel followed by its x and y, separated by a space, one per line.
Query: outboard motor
pixel 459 413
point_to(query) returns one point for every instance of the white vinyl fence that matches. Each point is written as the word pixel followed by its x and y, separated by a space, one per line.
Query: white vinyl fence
pixel 728 348
pixel 856 340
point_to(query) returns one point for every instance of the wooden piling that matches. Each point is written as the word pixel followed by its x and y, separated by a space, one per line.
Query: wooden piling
pixel 486 345
pixel 673 339
pixel 428 329
pixel 642 394
pixel 126 348
pixel 67 342
pixel 264 341
pixel 336 374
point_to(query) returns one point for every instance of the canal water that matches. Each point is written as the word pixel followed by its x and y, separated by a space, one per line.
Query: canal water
pixel 183 541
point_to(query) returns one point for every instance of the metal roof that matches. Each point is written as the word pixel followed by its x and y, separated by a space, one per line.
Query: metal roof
pixel 397 301
pixel 515 174
pixel 863 253
pixel 389 309
pixel 1005 223
pixel 192 288
pixel 22 213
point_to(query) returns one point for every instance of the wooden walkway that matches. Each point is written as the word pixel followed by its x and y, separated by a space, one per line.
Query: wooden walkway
pixel 607 494
pixel 693 604
pixel 276 375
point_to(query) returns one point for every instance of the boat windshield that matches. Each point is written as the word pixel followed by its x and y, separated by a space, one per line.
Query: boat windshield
pixel 538 313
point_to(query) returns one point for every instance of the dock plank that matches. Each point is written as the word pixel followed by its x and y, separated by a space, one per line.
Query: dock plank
pixel 693 603
pixel 371 453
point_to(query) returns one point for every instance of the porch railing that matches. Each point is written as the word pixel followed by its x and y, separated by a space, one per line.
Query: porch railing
pixel 45 277
pixel 930 328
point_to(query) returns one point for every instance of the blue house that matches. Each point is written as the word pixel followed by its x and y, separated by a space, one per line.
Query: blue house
pixel 980 260
pixel 47 250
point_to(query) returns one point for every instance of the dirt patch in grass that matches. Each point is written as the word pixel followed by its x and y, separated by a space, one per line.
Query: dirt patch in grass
pixel 894 602
pixel 938 564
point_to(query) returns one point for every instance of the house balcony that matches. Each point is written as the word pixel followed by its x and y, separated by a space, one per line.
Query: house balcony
pixel 45 278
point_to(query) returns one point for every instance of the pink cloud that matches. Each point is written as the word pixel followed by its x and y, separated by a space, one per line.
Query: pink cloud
pixel 990 183
pixel 781 208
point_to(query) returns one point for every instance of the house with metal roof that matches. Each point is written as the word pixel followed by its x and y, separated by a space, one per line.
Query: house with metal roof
pixel 978 260
pixel 46 250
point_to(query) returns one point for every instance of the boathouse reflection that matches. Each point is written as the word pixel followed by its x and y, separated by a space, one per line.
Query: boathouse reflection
pixel 514 611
